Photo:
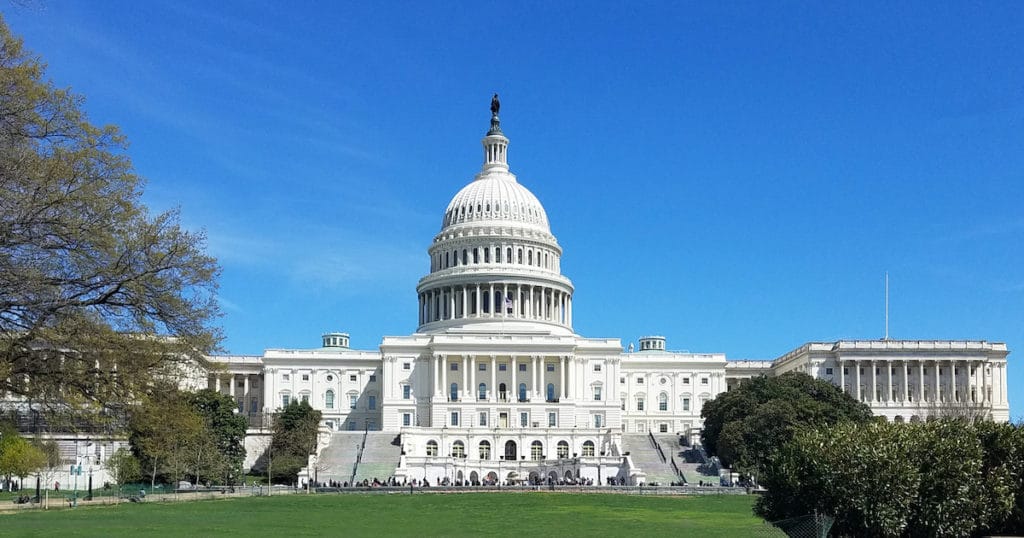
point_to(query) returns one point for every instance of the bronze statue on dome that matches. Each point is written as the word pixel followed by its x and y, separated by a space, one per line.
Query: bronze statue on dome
pixel 495 105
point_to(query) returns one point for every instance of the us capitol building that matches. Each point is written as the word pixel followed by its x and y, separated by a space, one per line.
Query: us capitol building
pixel 495 383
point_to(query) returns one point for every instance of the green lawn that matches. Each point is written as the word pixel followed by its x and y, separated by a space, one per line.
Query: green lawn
pixel 479 514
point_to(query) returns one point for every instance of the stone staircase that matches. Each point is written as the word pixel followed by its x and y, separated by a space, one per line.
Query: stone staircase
pixel 689 462
pixel 646 458
pixel 380 457
pixel 338 459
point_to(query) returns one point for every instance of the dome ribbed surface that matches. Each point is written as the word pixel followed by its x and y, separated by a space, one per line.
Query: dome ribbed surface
pixel 495 198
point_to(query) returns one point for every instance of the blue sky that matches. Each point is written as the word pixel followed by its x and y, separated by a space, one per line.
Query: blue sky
pixel 736 177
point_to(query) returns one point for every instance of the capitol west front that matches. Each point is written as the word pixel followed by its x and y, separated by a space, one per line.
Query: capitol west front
pixel 495 385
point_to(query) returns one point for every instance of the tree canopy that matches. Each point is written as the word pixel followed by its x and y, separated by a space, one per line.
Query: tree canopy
pixel 746 424
pixel 294 439
pixel 97 295
pixel 941 478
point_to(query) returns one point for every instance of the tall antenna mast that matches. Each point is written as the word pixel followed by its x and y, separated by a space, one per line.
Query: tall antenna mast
pixel 886 305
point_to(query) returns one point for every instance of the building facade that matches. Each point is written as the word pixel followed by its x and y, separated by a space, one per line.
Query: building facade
pixel 496 379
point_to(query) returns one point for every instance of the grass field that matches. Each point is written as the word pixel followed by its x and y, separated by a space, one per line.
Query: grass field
pixel 481 514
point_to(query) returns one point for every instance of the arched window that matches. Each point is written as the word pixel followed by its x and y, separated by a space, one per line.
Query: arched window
pixel 588 448
pixel 482 391
pixel 431 448
pixel 522 392
pixel 551 392
pixel 476 255
pixel 454 392
pixel 536 451
pixel 465 257
pixel 563 449
pixel 485 450
pixel 502 392
pixel 529 257
pixel 510 451
pixel 663 402
pixel 520 257
pixel 458 449
pixel 508 258
pixel 329 399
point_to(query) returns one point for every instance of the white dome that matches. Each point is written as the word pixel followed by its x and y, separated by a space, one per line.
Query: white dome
pixel 495 197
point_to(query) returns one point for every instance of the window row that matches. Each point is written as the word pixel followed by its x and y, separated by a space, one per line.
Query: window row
pixel 353 399
pixel 329 378
pixel 537 452
pixel 535 257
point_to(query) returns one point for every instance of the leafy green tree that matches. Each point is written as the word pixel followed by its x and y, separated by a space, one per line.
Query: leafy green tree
pixel 294 439
pixel 123 467
pixel 884 479
pixel 748 423
pixel 161 431
pixel 227 429
pixel 19 458
pixel 125 295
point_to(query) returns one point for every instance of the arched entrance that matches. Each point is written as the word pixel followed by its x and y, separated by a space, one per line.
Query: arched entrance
pixel 510 451
pixel 492 477
pixel 473 477
pixel 553 476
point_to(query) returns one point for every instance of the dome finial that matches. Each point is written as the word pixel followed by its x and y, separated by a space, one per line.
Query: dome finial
pixel 495 122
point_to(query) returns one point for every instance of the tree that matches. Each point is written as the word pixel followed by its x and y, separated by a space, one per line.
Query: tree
pixel 940 478
pixel 294 439
pixel 19 458
pixel 161 429
pixel 123 467
pixel 227 433
pixel 98 297
pixel 748 423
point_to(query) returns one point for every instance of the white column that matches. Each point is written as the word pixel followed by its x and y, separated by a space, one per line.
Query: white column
pixel 906 382
pixel 570 311
pixel 437 376
pixel 935 397
pixel 514 389
pixel 561 378
pixel 889 390
pixel 984 383
pixel 467 391
pixel 490 299
pixel 245 393
pixel 216 382
pixel 477 299
pixel 856 371
pixel 472 379
pixel 874 382
pixel 842 377
pixel 465 302
pixel 494 378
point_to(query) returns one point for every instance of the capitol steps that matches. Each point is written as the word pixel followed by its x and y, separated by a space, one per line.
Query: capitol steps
pixel 647 459
pixel 380 457
pixel 338 459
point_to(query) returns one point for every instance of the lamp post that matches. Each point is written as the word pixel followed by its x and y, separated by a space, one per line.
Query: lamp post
pixel 500 459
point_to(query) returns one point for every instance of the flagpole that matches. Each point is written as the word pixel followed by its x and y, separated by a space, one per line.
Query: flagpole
pixel 887 305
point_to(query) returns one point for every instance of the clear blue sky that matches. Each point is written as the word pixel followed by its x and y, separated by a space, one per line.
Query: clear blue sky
pixel 737 178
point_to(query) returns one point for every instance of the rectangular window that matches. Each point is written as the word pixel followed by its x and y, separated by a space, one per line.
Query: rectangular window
pixel 663 428
pixel 686 404
pixel 406 419
pixel 483 418
pixel 597 394
pixel 524 419
pixel 483 367
pixel 639 381
pixel 703 381
pixel 286 377
pixel 406 366
pixel 406 392
pixel 305 377
pixel 352 377
pixel 373 402
pixel 663 405
pixel 502 367
pixel 455 418
pixel 522 367
pixel 305 398
pixel 284 400
pixel 846 371
pixel 455 367
pixel 550 367
pixel 622 380
pixel 352 399
pixel 373 378
pixel 597 367
pixel 640 404
pixel 828 371
pixel 597 421
pixel 552 420
pixel 686 381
